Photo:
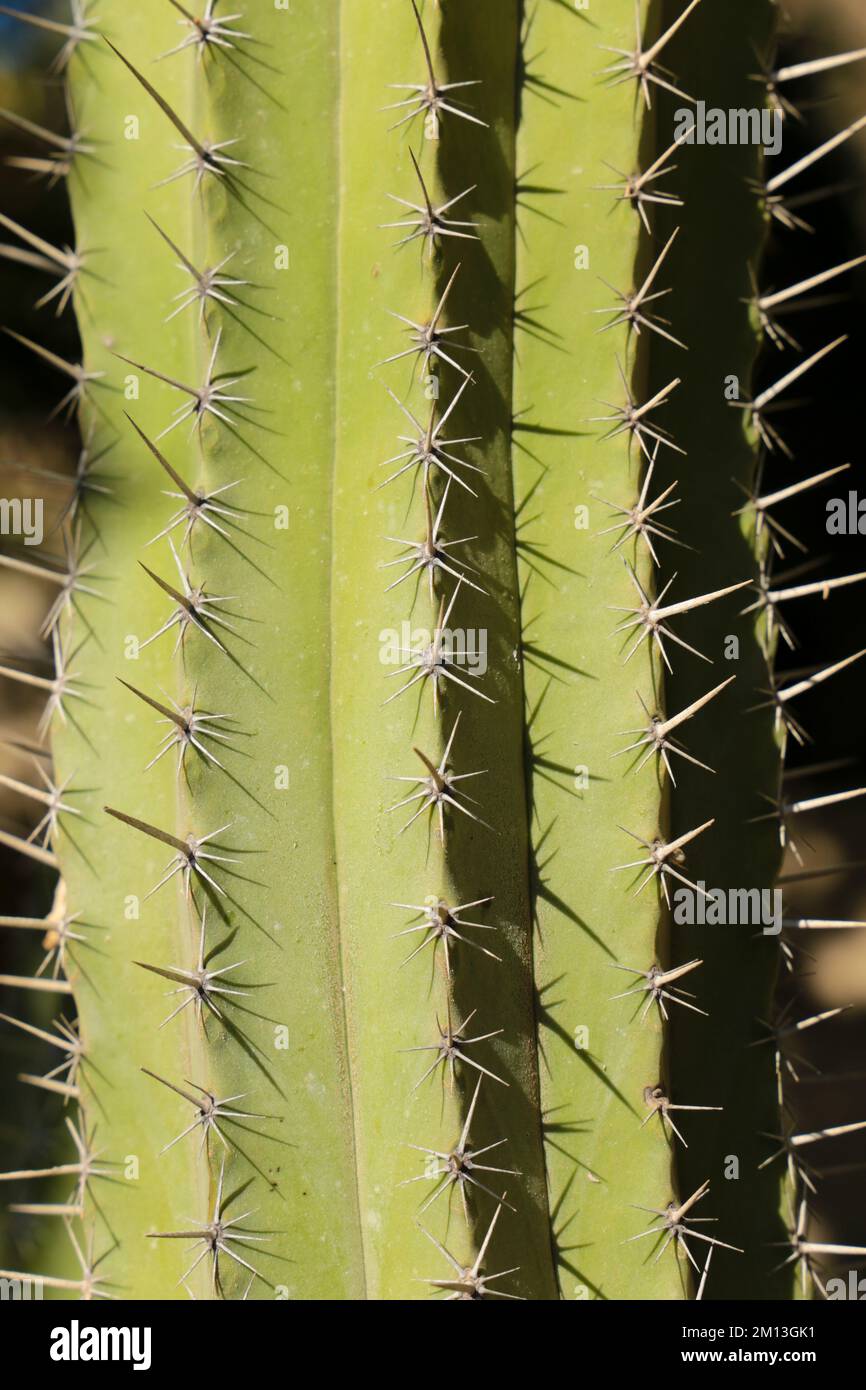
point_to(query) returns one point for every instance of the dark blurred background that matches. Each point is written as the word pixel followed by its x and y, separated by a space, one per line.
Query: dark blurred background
pixel 827 429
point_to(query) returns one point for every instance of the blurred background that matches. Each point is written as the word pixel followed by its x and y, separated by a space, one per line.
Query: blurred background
pixel 828 429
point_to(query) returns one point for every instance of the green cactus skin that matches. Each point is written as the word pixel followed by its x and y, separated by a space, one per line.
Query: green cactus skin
pixel 324 1050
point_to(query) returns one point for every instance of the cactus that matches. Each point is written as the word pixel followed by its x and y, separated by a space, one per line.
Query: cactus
pixel 401 398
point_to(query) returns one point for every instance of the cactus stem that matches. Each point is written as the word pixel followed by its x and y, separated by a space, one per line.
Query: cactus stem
pixel 658 986
pixel 469 1283
pixel 431 223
